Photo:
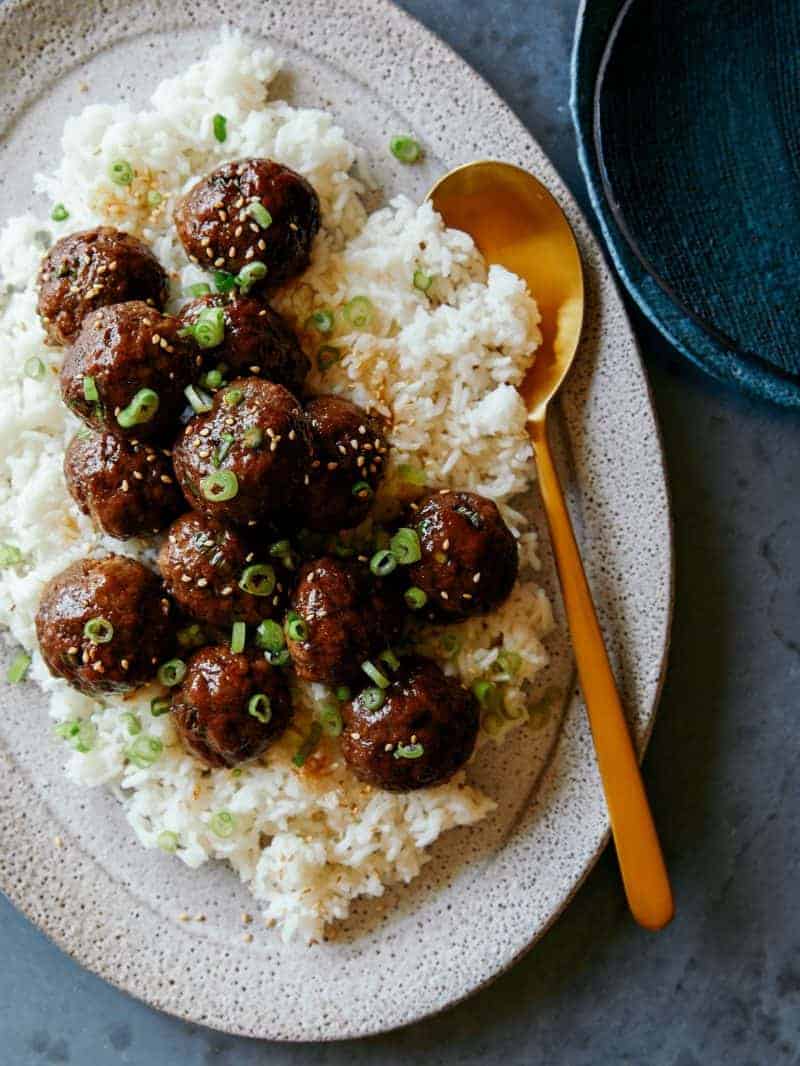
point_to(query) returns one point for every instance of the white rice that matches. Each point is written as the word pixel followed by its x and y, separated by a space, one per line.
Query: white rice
pixel 442 364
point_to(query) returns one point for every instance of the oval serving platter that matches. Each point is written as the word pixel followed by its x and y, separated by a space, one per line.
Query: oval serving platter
pixel 487 893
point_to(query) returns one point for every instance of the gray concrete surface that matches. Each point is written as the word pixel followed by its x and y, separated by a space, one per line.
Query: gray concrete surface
pixel 722 985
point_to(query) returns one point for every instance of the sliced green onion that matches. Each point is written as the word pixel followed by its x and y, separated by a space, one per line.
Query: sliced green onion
pixel 415 597
pixel 212 380
pixel 258 580
pixel 330 718
pixel 414 475
pixel 280 547
pixel 259 707
pixel 450 644
pixel 297 629
pixel 202 288
pixel 220 124
pixel 59 213
pixel 327 357
pixel 405 149
pixel 121 172
pixel 209 328
pixel 308 745
pixel 491 723
pixel 144 751
pixel 508 662
pixel 224 281
pixel 486 693
pixel 372 698
pixel 259 214
pixel 90 393
pixel 253 437
pixel 18 668
pixel 422 281
pixel 154 198
pixel 269 636
pixel 201 402
pixel 358 312
pixel 168 841
pixel 321 320
pixel 85 738
pixel 233 397
pixel 362 489
pixel 66 730
pixel 172 672
pixel 98 630
pixel 221 453
pixel 222 824
pixel 409 751
pixel 142 408
pixel 220 486
pixel 160 705
pixel 388 656
pixel 10 555
pixel 278 658
pixel 382 563
pixel 34 368
pixel 134 726
pixel 374 674
pixel 405 547
pixel 249 275
pixel 238 637
pixel 342 693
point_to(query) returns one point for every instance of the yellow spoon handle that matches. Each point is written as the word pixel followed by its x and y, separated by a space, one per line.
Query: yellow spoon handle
pixel 641 861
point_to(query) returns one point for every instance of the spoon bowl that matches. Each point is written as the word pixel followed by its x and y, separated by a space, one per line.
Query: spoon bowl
pixel 517 223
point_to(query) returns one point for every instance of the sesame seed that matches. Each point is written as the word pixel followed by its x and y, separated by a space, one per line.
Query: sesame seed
pixel 292 434
pixel 155 338
pixel 57 841
pixel 202 582
pixel 246 918
pixel 248 937
pixel 209 253
pixel 124 664
pixel 223 215
pixel 466 595
pixel 306 480
pixel 476 577
pixel 255 369
pixel 219 261
pixel 72 650
pixel 333 466
pixel 446 544
pixel 238 231
pixel 125 486
pixel 98 667
pixel 342 449
pixel 204 243
pixel 232 252
pixel 262 244
pixel 249 253
pixel 183 917
pixel 226 591
pixel 138 475
pixel 445 596
pixel 253 227
pixel 413 738
pixel 186 579
pixel 166 479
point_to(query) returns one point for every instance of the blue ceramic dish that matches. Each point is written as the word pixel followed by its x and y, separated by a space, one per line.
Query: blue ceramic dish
pixel 688 124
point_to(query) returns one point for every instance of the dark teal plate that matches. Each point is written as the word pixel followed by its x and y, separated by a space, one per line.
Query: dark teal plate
pixel 688 124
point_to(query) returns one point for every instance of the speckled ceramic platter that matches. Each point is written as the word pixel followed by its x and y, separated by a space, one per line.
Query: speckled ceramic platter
pixel 490 892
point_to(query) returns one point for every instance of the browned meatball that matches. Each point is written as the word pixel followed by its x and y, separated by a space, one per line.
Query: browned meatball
pixel 244 461
pixel 216 710
pixel 119 352
pixel 350 450
pixel 469 557
pixel 256 340
pixel 347 615
pixel 204 564
pixel 104 624
pixel 423 732
pixel 96 268
pixel 126 486
pixel 251 210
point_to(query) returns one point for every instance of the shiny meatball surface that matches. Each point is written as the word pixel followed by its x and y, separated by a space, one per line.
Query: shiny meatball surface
pixel 128 613
pixel 349 616
pixel 244 461
pixel 256 341
pixel 469 557
pixel 422 734
pixel 350 453
pixel 203 564
pixel 251 210
pixel 96 268
pixel 118 352
pixel 127 487
pixel 213 711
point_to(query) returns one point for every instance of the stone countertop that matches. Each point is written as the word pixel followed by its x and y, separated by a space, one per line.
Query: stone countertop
pixel 722 984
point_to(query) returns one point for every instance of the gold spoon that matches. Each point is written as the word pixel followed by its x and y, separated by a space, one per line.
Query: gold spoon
pixel 517 223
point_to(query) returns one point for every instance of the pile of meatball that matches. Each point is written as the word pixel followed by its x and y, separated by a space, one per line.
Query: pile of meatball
pixel 246 481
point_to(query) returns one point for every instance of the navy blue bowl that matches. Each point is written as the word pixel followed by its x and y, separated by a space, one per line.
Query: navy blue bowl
pixel 688 124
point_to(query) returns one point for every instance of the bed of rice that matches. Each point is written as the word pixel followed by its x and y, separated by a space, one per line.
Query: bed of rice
pixel 443 366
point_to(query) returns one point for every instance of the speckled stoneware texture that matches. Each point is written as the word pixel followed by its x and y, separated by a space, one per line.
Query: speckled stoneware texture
pixel 489 892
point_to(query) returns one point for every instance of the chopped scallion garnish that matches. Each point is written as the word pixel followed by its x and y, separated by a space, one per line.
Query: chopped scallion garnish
pixel 253 437
pixel 358 312
pixel 259 214
pixel 375 675
pixel 383 563
pixel 342 693
pixel 172 672
pixel 321 320
pixel 132 723
pixel 415 598
pixel 327 357
pixel 414 475
pixel 308 745
pixel 142 408
pixel 233 397
pixel 220 124
pixel 405 547
pixel 422 281
pixel 202 288
pixel 259 707
pixel 238 637
pixel 372 698
pixel 409 751
pixel 269 636
pixel 98 630
pixel 10 555
pixel 34 368
pixel 209 328
pixel 220 486
pixel 405 149
pixel 168 841
pixel 144 751
pixel 90 393
pixel 258 580
pixel 249 275
pixel 59 213
pixel 18 668
pixel 330 718
pixel 362 489
pixel 201 402
pixel 296 627
pixel 121 172
pixel 159 705
pixel 222 824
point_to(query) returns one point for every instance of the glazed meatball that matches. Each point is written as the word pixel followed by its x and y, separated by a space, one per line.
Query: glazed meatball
pixel 252 210
pixel 350 450
pixel 422 733
pixel 256 340
pixel 120 352
pixel 469 557
pixel 347 616
pixel 245 460
pixel 104 624
pixel 127 487
pixel 216 711
pixel 99 267
pixel 204 564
